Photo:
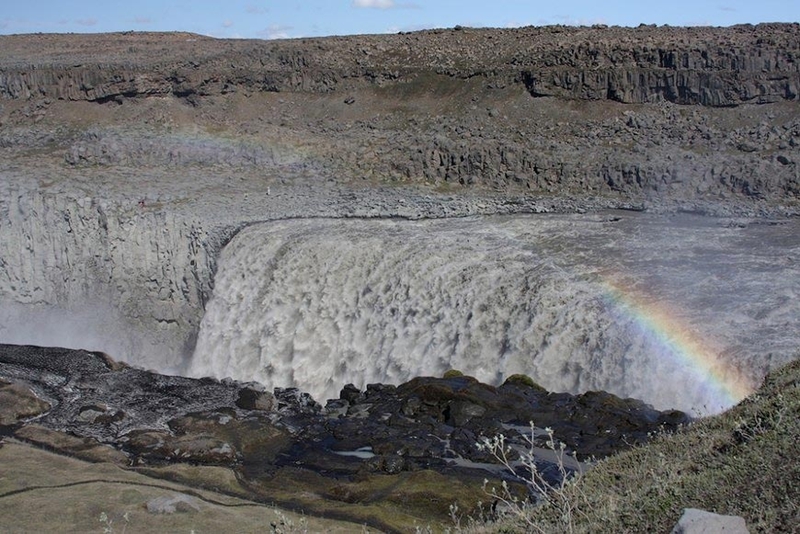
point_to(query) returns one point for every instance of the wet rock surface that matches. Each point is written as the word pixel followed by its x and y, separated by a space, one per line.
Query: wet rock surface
pixel 420 433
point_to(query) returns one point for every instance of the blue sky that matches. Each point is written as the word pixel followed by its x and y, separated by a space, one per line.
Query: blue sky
pixel 268 19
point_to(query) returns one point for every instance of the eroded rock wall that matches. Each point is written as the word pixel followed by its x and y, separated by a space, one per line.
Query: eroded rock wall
pixel 129 280
pixel 706 66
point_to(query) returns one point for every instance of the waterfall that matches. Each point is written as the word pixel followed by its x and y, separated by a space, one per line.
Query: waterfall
pixel 320 303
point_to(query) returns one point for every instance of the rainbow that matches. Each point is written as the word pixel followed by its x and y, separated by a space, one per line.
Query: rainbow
pixel 284 151
pixel 699 358
pixel 272 150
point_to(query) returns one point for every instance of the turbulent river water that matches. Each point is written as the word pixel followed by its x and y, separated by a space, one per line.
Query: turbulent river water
pixel 681 311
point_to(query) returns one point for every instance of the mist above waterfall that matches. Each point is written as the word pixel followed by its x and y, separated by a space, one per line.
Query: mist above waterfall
pixel 93 326
pixel 78 271
pixel 320 303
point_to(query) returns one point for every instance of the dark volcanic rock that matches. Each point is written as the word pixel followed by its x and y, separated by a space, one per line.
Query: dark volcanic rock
pixel 253 399
pixel 425 425
pixel 709 66
pixel 205 420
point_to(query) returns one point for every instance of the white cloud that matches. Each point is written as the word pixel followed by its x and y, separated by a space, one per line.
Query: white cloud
pixel 275 31
pixel 87 22
pixel 516 24
pixel 143 20
pixel 699 22
pixel 567 20
pixel 378 4
pixel 227 24
pixel 407 28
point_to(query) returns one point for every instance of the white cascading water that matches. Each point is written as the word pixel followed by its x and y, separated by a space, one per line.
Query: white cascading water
pixel 320 303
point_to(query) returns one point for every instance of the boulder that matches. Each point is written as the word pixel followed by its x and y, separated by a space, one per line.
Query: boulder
pixel 251 399
pixel 461 412
pixel 173 503
pixel 694 521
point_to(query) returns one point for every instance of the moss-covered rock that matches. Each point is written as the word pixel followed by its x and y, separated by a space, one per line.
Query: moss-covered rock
pixel 18 402
pixel 523 380
pixel 452 373
pixel 84 448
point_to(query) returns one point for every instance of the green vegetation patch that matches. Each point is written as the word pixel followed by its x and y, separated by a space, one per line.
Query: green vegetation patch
pixel 524 380
pixel 45 492
pixel 742 462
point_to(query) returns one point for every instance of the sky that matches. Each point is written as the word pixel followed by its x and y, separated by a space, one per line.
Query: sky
pixel 275 19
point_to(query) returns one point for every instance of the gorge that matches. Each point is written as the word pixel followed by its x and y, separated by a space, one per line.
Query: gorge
pixel 609 300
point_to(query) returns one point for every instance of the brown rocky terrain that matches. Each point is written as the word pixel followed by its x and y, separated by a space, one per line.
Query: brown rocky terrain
pixel 649 113
pixel 707 66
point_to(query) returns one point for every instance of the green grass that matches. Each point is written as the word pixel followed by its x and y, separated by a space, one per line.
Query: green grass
pixel 742 462
pixel 45 492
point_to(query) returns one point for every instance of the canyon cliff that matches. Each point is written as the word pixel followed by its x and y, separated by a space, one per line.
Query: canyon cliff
pixel 706 66
pixel 647 111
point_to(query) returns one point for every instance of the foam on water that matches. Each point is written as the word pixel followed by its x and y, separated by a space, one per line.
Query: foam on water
pixel 320 303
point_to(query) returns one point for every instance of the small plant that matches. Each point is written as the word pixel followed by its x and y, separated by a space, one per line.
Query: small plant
pixel 108 523
pixel 475 522
pixel 543 490
pixel 284 525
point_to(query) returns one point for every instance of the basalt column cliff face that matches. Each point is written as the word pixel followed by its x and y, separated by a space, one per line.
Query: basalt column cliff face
pixel 708 66
pixel 100 274
pixel 649 111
